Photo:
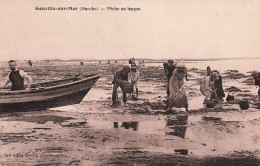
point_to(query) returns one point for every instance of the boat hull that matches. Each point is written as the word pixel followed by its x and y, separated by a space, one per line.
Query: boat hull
pixel 48 97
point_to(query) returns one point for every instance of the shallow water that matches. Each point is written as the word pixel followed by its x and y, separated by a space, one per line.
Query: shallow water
pixel 195 132
pixel 242 65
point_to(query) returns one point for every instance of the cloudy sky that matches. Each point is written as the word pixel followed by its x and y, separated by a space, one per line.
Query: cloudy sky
pixel 162 29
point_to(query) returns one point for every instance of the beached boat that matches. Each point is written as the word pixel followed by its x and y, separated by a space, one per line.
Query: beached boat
pixel 48 94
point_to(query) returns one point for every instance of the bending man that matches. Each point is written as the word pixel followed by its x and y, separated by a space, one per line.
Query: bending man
pixel 120 78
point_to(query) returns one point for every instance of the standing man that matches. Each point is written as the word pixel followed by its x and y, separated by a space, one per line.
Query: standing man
pixel 16 77
pixel 168 68
pixel 30 63
pixel 120 78
pixel 134 77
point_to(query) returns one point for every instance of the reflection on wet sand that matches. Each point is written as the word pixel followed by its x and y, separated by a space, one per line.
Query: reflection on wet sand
pixel 127 125
pixel 178 126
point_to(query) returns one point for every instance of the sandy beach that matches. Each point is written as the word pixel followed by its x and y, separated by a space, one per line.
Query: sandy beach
pixel 142 133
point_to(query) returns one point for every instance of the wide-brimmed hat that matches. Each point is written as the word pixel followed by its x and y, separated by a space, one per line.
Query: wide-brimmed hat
pixel 180 64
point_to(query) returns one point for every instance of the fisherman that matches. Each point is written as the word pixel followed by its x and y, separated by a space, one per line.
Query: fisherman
pixel 168 68
pixel 16 77
pixel 134 77
pixel 218 88
pixel 178 97
pixel 257 82
pixel 120 78
pixel 207 87
pixel 30 63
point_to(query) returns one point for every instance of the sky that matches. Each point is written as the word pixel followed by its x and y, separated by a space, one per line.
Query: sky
pixel 166 29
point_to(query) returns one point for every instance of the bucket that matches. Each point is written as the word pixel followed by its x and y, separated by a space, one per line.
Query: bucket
pixel 244 105
pixel 128 87
pixel 211 103
pixel 230 97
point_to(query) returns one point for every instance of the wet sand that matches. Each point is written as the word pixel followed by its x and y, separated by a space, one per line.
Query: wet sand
pixel 142 133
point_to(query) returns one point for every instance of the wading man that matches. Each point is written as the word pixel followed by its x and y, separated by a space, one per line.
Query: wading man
pixel 16 77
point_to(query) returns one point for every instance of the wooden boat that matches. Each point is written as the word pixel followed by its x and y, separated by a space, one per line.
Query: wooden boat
pixel 48 94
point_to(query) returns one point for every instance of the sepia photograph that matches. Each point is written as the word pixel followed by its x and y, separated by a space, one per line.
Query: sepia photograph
pixel 129 82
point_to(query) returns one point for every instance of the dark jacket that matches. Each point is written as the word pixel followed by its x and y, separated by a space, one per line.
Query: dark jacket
pixel 120 77
pixel 168 70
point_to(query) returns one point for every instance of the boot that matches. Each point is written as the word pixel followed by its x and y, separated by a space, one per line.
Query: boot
pixel 136 92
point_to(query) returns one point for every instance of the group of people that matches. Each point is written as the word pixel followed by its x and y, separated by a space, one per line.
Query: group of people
pixel 121 78
pixel 210 86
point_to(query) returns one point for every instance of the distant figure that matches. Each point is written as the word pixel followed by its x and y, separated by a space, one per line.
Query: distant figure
pixel 207 85
pixel 16 77
pixel 30 63
pixel 134 77
pixel 131 61
pixel 99 62
pixel 81 63
pixel 141 62
pixel 178 97
pixel 47 61
pixel 120 78
pixel 257 83
pixel 108 62
pixel 168 68
pixel 115 61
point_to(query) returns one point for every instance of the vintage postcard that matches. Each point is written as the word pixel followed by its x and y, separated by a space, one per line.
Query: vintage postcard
pixel 129 82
